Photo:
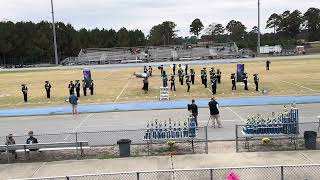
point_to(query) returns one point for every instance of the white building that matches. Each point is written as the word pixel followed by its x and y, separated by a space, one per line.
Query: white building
pixel 270 49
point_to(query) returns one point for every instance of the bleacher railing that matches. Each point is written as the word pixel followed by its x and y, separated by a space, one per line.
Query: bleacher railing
pixel 299 172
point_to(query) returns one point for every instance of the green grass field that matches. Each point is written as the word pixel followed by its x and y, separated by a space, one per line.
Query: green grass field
pixel 288 77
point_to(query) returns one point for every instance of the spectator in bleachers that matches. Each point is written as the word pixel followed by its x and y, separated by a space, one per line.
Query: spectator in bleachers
pixel 32 140
pixel 11 141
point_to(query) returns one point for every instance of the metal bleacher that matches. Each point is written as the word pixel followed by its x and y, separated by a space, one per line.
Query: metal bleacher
pixel 153 54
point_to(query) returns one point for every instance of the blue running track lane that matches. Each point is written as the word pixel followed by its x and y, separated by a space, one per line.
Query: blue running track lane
pixel 141 106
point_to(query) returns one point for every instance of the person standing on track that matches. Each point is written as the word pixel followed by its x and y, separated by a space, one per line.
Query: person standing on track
pixel 214 113
pixel 73 100
pixel 193 108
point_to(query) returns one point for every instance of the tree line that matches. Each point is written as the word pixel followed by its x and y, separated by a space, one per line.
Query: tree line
pixel 27 40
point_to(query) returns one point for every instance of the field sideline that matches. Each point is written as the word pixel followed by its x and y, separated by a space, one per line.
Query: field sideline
pixel 287 77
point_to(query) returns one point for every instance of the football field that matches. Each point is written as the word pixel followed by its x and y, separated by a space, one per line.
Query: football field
pixel 118 85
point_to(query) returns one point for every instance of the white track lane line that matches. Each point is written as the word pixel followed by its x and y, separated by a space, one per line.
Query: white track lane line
pixel 236 114
pixel 298 85
pixel 124 88
pixel 79 125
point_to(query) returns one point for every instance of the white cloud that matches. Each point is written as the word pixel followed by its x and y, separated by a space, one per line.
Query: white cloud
pixel 143 14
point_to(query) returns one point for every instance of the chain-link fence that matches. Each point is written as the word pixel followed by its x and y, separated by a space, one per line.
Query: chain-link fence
pixel 283 137
pixel 104 144
pixel 303 172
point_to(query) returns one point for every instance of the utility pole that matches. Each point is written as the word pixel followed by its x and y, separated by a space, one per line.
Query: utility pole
pixel 258 45
pixel 54 36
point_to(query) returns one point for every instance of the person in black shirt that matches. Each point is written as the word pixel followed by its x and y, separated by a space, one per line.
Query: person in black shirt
pixel 71 88
pixel 91 87
pixel 145 85
pixel 24 90
pixel 174 69
pixel 192 72
pixel 186 69
pixel 150 71
pixel 180 73
pixel 145 70
pixel 32 140
pixel 188 82
pixel 204 78
pixel 256 81
pixel 214 85
pixel 84 87
pixel 47 86
pixel 214 113
pixel 164 79
pixel 245 81
pixel 219 76
pixel 193 108
pixel 173 84
pixel 233 79
pixel 268 65
pixel 77 86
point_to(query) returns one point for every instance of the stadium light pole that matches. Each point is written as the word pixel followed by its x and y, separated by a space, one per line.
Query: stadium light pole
pixel 54 35
pixel 258 45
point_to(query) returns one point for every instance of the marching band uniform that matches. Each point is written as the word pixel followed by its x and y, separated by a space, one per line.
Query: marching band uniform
pixel 245 81
pixel 173 84
pixel 256 81
pixel 24 90
pixel 71 88
pixel 47 87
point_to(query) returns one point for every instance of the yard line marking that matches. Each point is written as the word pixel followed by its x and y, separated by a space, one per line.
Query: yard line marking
pixel 298 85
pixel 202 85
pixel 35 172
pixel 124 88
pixel 79 125
pixel 236 114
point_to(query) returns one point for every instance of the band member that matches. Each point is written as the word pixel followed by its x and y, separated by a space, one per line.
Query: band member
pixel 214 84
pixel 268 65
pixel 245 81
pixel 150 71
pixel 84 87
pixel 145 85
pixel 212 72
pixel 71 88
pixel 233 79
pixel 186 69
pixel 145 70
pixel 173 84
pixel 204 78
pixel 174 69
pixel 47 87
pixel 161 69
pixel 91 87
pixel 192 72
pixel 164 79
pixel 219 76
pixel 188 82
pixel 181 75
pixel 77 86
pixel 256 81
pixel 24 90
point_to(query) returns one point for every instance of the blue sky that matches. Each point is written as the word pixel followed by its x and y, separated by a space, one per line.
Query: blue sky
pixel 143 14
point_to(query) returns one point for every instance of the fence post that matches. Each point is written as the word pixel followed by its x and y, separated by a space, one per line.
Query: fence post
pixel 211 174
pixel 138 175
pixel 76 134
pixel 237 143
pixel 206 136
pixel 7 149
pixel 282 174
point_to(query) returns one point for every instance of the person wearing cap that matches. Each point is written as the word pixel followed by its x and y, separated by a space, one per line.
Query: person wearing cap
pixel 84 87
pixel 77 86
pixel 193 73
pixel 193 108
pixel 32 140
pixel 11 141
pixel 214 112
pixel 73 100
pixel 71 88
pixel 47 87
pixel 91 87
pixel 24 90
